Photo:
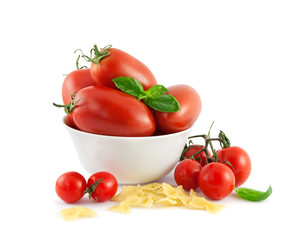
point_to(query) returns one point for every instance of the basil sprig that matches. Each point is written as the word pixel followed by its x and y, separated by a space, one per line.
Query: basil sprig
pixel 253 195
pixel 155 97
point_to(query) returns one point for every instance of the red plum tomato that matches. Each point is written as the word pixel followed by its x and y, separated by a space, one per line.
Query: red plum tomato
pixel 190 108
pixel 121 64
pixel 106 111
pixel 74 82
pixel 216 180
pixel 186 174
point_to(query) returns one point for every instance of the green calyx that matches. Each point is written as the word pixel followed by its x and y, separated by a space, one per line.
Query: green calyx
pixel 92 188
pixel 95 54
pixel 224 141
pixel 68 108
pixel 155 97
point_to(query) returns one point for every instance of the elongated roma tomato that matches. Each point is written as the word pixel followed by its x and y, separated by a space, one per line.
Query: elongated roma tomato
pixel 74 82
pixel 190 108
pixel 120 64
pixel 107 111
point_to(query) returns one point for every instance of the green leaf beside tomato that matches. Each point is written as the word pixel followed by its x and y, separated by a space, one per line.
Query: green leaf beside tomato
pixel 253 195
pixel 163 103
pixel 129 85
pixel 190 108
pixel 154 97
pixel 156 91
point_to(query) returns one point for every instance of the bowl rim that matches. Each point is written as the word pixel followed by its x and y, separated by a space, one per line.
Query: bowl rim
pixel 122 137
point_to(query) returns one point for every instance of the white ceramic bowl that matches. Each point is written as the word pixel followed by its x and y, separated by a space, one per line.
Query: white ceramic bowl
pixel 132 160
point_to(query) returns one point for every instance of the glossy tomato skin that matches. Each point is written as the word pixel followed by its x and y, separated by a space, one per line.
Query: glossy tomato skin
pixel 186 174
pixel 240 161
pixel 107 187
pixel 70 186
pixel 106 111
pixel 121 64
pixel 202 155
pixel 74 82
pixel 216 180
pixel 190 108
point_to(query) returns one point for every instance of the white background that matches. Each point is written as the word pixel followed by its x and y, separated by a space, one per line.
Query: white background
pixel 236 54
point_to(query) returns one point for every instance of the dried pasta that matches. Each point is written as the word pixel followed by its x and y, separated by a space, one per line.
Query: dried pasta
pixel 73 213
pixel 160 193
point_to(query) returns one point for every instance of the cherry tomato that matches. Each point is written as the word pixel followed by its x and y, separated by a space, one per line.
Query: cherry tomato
pixel 202 155
pixel 102 186
pixel 186 174
pixel 107 111
pixel 216 180
pixel 120 64
pixel 190 108
pixel 74 82
pixel 70 187
pixel 240 161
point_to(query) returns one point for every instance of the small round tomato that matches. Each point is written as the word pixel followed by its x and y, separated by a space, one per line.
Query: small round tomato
pixel 240 161
pixel 190 108
pixel 102 186
pixel 216 180
pixel 70 186
pixel 202 157
pixel 186 174
pixel 74 82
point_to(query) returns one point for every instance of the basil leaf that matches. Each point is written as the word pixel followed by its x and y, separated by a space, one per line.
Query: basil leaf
pixel 154 97
pixel 253 195
pixel 142 95
pixel 163 103
pixel 129 85
pixel 156 91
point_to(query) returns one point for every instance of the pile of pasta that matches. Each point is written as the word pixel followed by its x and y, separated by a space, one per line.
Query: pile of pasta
pixel 160 193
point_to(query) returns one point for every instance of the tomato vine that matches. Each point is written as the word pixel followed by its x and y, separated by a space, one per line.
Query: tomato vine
pixel 222 139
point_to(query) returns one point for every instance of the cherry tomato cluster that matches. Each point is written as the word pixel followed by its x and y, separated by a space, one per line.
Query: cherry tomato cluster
pixel 118 95
pixel 72 186
pixel 216 175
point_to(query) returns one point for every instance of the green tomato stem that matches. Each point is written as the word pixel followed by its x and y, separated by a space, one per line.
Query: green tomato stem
pixel 68 108
pixel 98 54
pixel 92 188
pixel 223 140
